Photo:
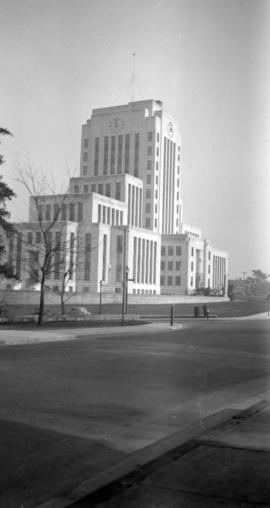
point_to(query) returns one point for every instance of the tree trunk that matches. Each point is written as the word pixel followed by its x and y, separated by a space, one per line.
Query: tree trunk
pixel 62 295
pixel 62 304
pixel 41 302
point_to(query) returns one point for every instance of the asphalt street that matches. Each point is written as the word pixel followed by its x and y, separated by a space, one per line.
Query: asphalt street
pixel 70 409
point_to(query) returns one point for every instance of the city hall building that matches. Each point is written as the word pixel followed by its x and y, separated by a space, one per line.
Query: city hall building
pixel 122 216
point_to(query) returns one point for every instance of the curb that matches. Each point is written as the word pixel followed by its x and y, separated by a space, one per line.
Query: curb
pixel 221 422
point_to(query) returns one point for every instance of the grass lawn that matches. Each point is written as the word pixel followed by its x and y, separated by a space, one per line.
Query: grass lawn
pixel 235 308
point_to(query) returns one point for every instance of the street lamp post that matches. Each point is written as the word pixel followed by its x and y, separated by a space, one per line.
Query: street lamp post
pixel 100 296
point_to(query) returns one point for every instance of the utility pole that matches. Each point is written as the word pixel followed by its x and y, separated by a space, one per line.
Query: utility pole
pixel 124 279
pixel 100 297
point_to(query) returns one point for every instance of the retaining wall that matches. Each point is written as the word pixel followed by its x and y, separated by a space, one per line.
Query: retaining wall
pixel 32 298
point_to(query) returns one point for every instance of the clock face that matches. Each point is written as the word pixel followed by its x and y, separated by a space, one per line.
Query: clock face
pixel 170 129
pixel 116 125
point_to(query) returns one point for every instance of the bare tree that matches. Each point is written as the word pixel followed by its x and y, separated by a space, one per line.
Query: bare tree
pixel 46 255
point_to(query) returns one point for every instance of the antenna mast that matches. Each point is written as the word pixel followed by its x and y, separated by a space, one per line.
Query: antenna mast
pixel 133 79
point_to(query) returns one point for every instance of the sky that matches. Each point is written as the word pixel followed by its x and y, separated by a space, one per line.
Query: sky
pixel 207 60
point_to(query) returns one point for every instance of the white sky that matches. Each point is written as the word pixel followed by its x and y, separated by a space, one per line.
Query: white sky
pixel 207 60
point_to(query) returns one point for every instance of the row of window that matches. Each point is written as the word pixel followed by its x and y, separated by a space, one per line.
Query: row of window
pixel 171 250
pixel 170 265
pixel 100 188
pixel 71 211
pixel 109 215
pixel 116 155
pixel 170 281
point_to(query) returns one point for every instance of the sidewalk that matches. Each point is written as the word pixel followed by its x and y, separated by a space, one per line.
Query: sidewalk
pixel 17 337
pixel 9 337
pixel 228 466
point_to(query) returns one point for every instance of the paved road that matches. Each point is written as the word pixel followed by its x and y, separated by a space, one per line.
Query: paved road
pixel 70 409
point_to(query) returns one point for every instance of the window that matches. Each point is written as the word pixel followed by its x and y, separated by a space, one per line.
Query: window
pixel 149 151
pixel 149 164
pixel 71 211
pixel 157 151
pixel 118 191
pixel 80 212
pixel 148 193
pixel 192 266
pixel 100 188
pixel 38 237
pixel 48 212
pixel 156 166
pixel 147 207
pixel 93 187
pixel 155 208
pixel 209 268
pixel 170 266
pixel 162 265
pixel 127 147
pixel 76 189
pixel 178 280
pixel 192 251
pixel 155 223
pixel 85 188
pixel 85 143
pixel 177 196
pixel 147 222
pixel 148 179
pixel 40 212
pixel 177 265
pixel 108 217
pixel 169 280
pixel 30 237
pixel 156 194
pixel 120 153
pixel 85 157
pixel 99 213
pixel 96 160
pixel 108 190
pixel 170 250
pixel 150 136
pixel 84 170
pixel 56 211
pixel 119 257
pixel 158 137
pixel 162 280
pixel 106 155
pixel 136 154
pixel 191 281
pixel 163 251
pixel 209 255
pixel 178 250
pixel 64 212
pixel 121 218
pixel 113 155
pixel 156 180
pixel 177 182
pixel 104 214
pixel 113 216
pixel 117 217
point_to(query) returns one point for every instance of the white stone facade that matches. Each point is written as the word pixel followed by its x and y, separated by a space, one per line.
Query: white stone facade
pixel 124 212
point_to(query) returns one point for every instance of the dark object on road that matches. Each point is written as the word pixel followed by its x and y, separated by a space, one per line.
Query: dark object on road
pixel 196 312
pixel 172 315
pixel 206 312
